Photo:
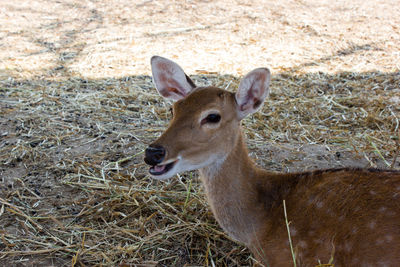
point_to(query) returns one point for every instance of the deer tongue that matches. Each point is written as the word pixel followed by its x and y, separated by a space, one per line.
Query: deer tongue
pixel 159 168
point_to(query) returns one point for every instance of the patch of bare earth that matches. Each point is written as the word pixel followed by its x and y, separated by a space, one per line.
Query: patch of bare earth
pixel 77 109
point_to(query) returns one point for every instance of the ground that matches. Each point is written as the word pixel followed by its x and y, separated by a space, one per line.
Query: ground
pixel 78 108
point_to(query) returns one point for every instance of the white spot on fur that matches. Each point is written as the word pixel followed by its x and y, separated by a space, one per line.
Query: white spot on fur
pixel 389 238
pixel 347 247
pixel 319 204
pixel 355 261
pixel 390 213
pixel 302 244
pixel 372 192
pixel 372 224
pixel 319 241
pixel 382 209
pixel 299 254
pixel 293 231
pixel 383 263
pixel 329 212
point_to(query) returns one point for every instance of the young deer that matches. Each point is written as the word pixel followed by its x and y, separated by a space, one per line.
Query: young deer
pixel 347 217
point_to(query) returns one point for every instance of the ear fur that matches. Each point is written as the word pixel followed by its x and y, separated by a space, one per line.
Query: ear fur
pixel 253 89
pixel 169 78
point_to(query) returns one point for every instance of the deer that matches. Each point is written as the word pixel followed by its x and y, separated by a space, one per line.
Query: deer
pixel 340 216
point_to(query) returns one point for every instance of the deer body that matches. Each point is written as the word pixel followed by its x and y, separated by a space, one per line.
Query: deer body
pixel 349 217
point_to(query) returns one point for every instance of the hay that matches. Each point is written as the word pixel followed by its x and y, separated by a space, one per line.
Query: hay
pixel 74 188
pixel 89 199
pixel 84 195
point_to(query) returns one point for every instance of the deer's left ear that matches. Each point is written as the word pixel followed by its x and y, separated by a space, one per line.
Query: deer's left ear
pixel 253 90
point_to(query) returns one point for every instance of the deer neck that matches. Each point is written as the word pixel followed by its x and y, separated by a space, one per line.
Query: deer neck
pixel 231 188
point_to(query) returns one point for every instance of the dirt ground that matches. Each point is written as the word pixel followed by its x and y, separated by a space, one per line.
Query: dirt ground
pixel 78 108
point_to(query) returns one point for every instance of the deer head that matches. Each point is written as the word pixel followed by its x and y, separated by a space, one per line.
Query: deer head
pixel 206 120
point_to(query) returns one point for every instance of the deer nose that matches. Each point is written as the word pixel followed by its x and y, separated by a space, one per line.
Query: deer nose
pixel 154 155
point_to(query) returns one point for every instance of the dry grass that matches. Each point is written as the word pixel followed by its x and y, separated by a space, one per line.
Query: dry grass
pixel 78 108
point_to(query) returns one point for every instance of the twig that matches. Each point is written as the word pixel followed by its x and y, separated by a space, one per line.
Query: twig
pixel 17 211
pixel 378 152
pixel 288 230
pixel 35 252
pixel 397 150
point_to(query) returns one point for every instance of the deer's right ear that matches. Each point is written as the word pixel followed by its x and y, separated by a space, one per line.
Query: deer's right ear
pixel 170 80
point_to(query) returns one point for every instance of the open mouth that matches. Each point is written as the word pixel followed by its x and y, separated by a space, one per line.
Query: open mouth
pixel 162 169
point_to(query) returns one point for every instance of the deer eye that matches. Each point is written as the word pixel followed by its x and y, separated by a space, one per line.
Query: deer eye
pixel 211 118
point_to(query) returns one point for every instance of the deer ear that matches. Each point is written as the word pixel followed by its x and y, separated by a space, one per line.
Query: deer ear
pixel 253 90
pixel 170 80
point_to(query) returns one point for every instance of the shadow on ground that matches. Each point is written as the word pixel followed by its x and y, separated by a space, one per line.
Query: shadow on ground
pixel 75 190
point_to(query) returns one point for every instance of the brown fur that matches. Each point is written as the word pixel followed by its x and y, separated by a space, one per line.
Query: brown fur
pixel 349 217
